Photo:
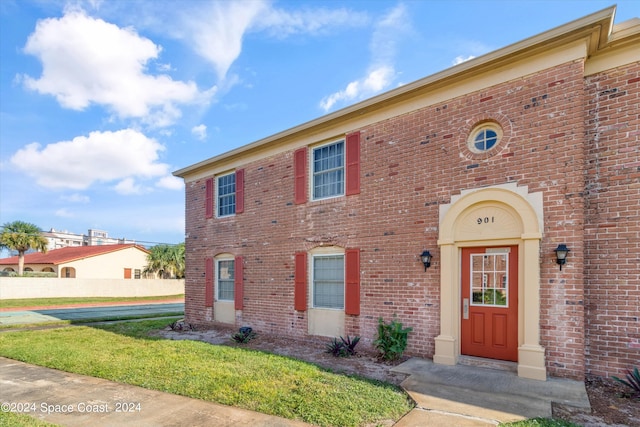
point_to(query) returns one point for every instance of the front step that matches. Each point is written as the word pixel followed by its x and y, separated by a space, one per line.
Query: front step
pixel 479 362
pixel 489 394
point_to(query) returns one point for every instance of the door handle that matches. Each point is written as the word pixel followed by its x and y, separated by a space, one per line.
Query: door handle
pixel 465 308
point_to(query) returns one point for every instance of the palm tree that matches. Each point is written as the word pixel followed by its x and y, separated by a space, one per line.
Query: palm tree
pixel 166 260
pixel 21 236
pixel 178 260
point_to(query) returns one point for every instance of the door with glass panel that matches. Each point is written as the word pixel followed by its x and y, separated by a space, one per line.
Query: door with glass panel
pixel 490 302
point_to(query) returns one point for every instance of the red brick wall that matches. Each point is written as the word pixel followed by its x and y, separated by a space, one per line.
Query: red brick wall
pixel 612 231
pixel 411 164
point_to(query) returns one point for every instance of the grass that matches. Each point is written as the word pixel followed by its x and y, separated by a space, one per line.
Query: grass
pixel 244 378
pixel 10 419
pixel 40 302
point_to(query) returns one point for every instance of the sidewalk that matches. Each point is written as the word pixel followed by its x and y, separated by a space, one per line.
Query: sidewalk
pixel 92 304
pixel 76 400
pixel 84 311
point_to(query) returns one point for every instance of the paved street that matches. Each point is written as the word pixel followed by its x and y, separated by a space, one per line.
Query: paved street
pixel 80 313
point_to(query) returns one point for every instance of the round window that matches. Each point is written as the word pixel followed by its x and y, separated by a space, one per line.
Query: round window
pixel 484 137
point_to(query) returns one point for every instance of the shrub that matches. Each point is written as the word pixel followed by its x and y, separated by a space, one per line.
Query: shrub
pixel 632 381
pixel 181 325
pixel 39 274
pixel 344 347
pixel 336 348
pixel 392 339
pixel 244 335
pixel 350 344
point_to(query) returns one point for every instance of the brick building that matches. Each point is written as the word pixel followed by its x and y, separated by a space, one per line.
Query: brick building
pixel 490 166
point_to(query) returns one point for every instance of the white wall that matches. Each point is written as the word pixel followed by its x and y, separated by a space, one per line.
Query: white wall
pixel 110 265
pixel 40 287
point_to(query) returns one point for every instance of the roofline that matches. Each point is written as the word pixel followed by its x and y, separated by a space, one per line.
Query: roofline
pixel 115 249
pixel 595 28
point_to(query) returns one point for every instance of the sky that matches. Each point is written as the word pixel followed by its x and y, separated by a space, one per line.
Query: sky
pixel 100 101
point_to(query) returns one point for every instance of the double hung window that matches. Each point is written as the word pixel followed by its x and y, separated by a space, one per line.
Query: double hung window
pixel 226 195
pixel 328 281
pixel 328 170
pixel 225 279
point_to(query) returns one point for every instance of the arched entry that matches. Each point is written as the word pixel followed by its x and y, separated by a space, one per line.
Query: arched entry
pixel 493 221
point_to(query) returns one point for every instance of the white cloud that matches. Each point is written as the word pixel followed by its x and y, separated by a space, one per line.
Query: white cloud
pixel 369 85
pixel 388 33
pixel 460 59
pixel 75 198
pixel 128 187
pixel 99 157
pixel 170 182
pixel 216 31
pixel 281 23
pixel 199 131
pixel 84 62
pixel 471 48
pixel 381 73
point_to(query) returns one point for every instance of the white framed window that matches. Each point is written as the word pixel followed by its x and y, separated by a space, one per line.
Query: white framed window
pixel 327 273
pixel 484 137
pixel 226 194
pixel 327 167
pixel 489 279
pixel 225 279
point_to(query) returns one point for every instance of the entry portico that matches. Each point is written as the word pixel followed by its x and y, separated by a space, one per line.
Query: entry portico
pixel 494 216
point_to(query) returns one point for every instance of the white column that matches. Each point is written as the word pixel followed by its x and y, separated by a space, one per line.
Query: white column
pixel 448 342
pixel 531 357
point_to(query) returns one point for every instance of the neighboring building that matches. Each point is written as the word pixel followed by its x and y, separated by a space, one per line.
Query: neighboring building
pixel 101 237
pixel 491 166
pixel 62 239
pixel 86 262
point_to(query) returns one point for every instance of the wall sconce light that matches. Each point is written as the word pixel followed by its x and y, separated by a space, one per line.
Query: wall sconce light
pixel 425 257
pixel 561 254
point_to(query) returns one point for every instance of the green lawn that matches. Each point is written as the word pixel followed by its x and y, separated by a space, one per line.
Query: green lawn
pixel 231 376
pixel 36 302
pixel 10 419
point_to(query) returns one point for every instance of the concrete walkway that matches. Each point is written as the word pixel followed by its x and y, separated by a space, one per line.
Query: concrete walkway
pixel 466 396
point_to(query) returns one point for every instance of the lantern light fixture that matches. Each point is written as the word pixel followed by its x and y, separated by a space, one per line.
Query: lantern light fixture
pixel 561 254
pixel 425 257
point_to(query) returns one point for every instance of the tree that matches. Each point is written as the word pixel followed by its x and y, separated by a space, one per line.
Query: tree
pixel 166 260
pixel 21 236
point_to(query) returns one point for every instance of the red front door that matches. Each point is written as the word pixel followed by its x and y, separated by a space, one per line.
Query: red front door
pixel 490 302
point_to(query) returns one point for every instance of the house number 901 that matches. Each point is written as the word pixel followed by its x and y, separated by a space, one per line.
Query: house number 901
pixel 485 220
